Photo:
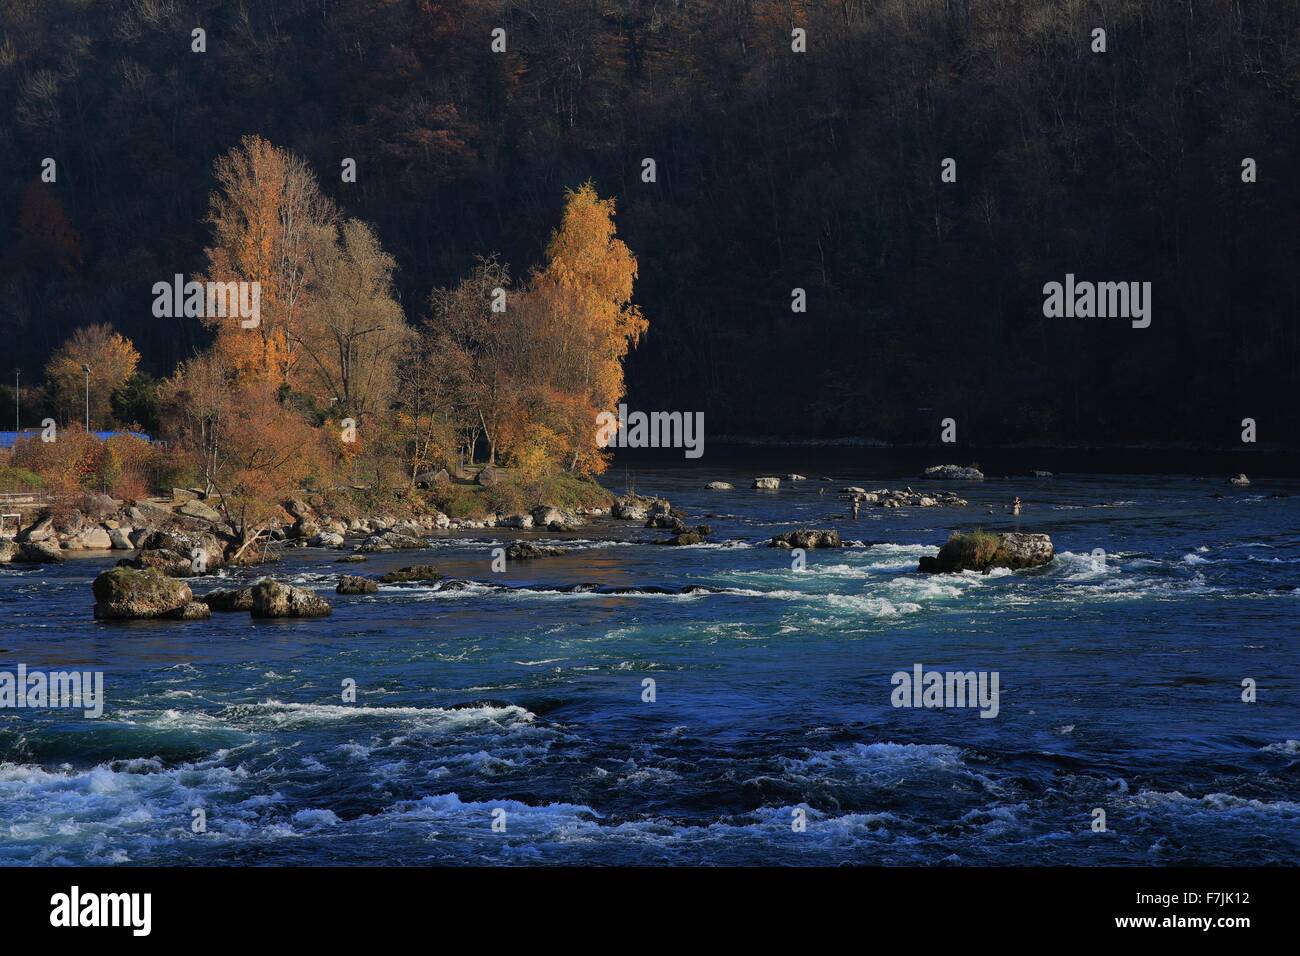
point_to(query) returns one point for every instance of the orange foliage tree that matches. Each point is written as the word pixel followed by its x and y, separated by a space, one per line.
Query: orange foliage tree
pixel 584 322
pixel 266 214
pixel 112 360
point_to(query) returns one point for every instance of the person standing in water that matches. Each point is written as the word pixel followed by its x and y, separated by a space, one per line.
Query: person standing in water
pixel 1015 506
pixel 857 503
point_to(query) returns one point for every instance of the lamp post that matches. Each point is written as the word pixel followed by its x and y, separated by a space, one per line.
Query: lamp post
pixel 86 369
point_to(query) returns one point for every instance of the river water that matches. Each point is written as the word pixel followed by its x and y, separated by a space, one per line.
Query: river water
pixel 771 737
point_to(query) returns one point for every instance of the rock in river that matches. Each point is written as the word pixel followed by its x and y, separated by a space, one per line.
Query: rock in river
pixel 954 472
pixel 126 594
pixel 805 538
pixel 355 584
pixel 983 551
pixel 276 599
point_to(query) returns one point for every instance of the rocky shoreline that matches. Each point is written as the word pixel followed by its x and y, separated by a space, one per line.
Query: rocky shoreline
pixel 170 541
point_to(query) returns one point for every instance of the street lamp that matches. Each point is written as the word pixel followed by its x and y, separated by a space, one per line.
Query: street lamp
pixel 86 369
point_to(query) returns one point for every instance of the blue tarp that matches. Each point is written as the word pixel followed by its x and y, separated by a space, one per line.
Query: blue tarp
pixel 7 439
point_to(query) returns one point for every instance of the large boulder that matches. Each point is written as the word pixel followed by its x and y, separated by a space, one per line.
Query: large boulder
pixel 128 594
pixel 327 539
pixel 488 477
pixel 667 522
pixel 983 551
pixel 42 529
pixel 95 539
pixel 120 539
pixel 36 552
pixel 1241 481
pixel 807 538
pixel 229 600
pixel 277 599
pixel 355 584
pixel 433 479
pixel 954 473
pixel 179 554
pixel 639 507
pixel 766 484
pixel 199 512
pixel 515 521
pixel 150 514
pixel 297 507
pixel 548 516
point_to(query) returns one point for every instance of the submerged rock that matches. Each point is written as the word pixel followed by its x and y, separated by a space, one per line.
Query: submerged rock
pixel 983 551
pixel 414 572
pixel 954 472
pixel 806 538
pixel 766 484
pixel 720 486
pixel 1241 481
pixel 277 599
pixel 527 551
pixel 128 594
pixel 685 537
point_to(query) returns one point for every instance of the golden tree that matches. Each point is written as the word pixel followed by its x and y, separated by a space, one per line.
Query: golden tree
pixel 584 321
pixel 112 360
pixel 267 214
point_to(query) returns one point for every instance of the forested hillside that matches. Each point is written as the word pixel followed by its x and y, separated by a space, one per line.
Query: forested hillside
pixel 775 170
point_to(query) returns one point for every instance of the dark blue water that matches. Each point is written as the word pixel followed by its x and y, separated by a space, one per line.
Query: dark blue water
pixel 1120 690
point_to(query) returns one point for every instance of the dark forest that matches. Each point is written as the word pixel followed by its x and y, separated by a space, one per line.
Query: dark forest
pixel 775 170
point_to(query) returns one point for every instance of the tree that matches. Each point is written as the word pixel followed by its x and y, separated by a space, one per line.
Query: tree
pixel 479 349
pixel 351 330
pixel 248 448
pixel 267 216
pixel 47 240
pixel 112 360
pixel 581 308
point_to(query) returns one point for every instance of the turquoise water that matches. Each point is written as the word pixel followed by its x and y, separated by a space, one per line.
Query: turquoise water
pixel 1120 689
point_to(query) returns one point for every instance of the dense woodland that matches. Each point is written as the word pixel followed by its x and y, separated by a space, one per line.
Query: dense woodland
pixel 775 170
